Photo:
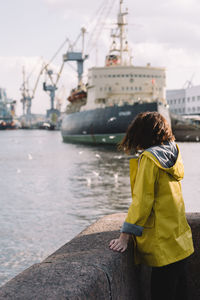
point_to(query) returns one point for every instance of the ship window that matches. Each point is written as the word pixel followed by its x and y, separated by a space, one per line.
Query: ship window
pixel 140 75
pixel 188 99
pixel 95 76
pixel 105 76
pixel 122 88
pixel 131 80
pixel 110 89
pixel 127 88
pixel 193 98
pixel 135 75
pixel 131 75
pixel 183 100
pixel 131 88
pixel 183 109
pixel 127 75
pixel 179 100
pixel 136 88
pixel 118 75
pixel 193 109
pixel 113 75
pixel 198 97
pixel 174 101
pixel 198 108
pixel 140 88
pixel 122 75
pixel 105 89
pixel 109 75
pixel 148 76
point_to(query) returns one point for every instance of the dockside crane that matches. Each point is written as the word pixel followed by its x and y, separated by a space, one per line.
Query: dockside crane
pixel 51 88
pixel 27 95
pixel 52 113
pixel 79 57
pixel 26 98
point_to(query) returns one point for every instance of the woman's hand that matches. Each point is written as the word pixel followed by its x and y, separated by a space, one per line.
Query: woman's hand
pixel 121 243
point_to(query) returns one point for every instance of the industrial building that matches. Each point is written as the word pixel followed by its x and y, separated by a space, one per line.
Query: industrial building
pixel 184 101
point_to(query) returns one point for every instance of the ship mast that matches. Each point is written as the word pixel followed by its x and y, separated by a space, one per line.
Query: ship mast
pixel 119 33
pixel 121 24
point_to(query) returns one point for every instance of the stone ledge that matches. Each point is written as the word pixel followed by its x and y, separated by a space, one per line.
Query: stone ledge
pixel 85 268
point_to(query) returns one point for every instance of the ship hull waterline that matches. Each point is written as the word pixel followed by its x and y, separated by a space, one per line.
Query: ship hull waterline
pixel 105 125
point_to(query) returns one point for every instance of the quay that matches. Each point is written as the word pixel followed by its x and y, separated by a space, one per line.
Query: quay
pixel 86 269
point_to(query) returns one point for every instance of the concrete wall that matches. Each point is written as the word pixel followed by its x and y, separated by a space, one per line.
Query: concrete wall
pixel 85 268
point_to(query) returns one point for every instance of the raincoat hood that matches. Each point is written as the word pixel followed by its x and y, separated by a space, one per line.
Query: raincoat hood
pixel 168 158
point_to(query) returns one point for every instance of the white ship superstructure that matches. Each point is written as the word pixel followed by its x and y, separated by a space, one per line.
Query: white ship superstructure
pixel 119 85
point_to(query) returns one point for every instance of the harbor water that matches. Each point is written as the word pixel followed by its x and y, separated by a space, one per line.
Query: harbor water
pixel 50 191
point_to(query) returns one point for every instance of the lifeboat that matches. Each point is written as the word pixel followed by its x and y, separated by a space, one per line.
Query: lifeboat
pixel 77 95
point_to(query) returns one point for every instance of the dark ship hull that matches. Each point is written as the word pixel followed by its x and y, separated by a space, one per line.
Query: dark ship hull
pixel 104 125
pixel 7 124
pixel 185 130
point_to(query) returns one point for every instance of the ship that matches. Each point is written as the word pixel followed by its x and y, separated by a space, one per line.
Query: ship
pixel 100 111
pixel 7 111
pixel 185 128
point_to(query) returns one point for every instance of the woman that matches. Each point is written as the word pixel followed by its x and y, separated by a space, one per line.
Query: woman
pixel 156 218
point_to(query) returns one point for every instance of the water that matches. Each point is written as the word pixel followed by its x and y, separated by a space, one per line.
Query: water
pixel 50 191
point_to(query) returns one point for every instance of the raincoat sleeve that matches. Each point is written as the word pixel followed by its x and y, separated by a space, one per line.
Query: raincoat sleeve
pixel 142 197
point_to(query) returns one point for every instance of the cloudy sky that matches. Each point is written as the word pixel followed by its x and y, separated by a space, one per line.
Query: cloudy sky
pixel 165 33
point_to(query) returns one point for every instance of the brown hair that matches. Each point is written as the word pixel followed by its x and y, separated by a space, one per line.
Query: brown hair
pixel 146 130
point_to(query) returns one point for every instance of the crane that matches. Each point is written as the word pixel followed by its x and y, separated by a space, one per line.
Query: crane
pixel 79 57
pixel 52 113
pixel 26 97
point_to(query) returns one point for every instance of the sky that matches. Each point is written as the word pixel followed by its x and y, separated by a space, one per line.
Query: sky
pixel 165 33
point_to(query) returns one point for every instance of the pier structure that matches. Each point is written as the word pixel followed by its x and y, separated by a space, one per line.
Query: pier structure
pixel 86 269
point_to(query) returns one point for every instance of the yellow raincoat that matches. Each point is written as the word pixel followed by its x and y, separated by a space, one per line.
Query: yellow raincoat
pixel 158 208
